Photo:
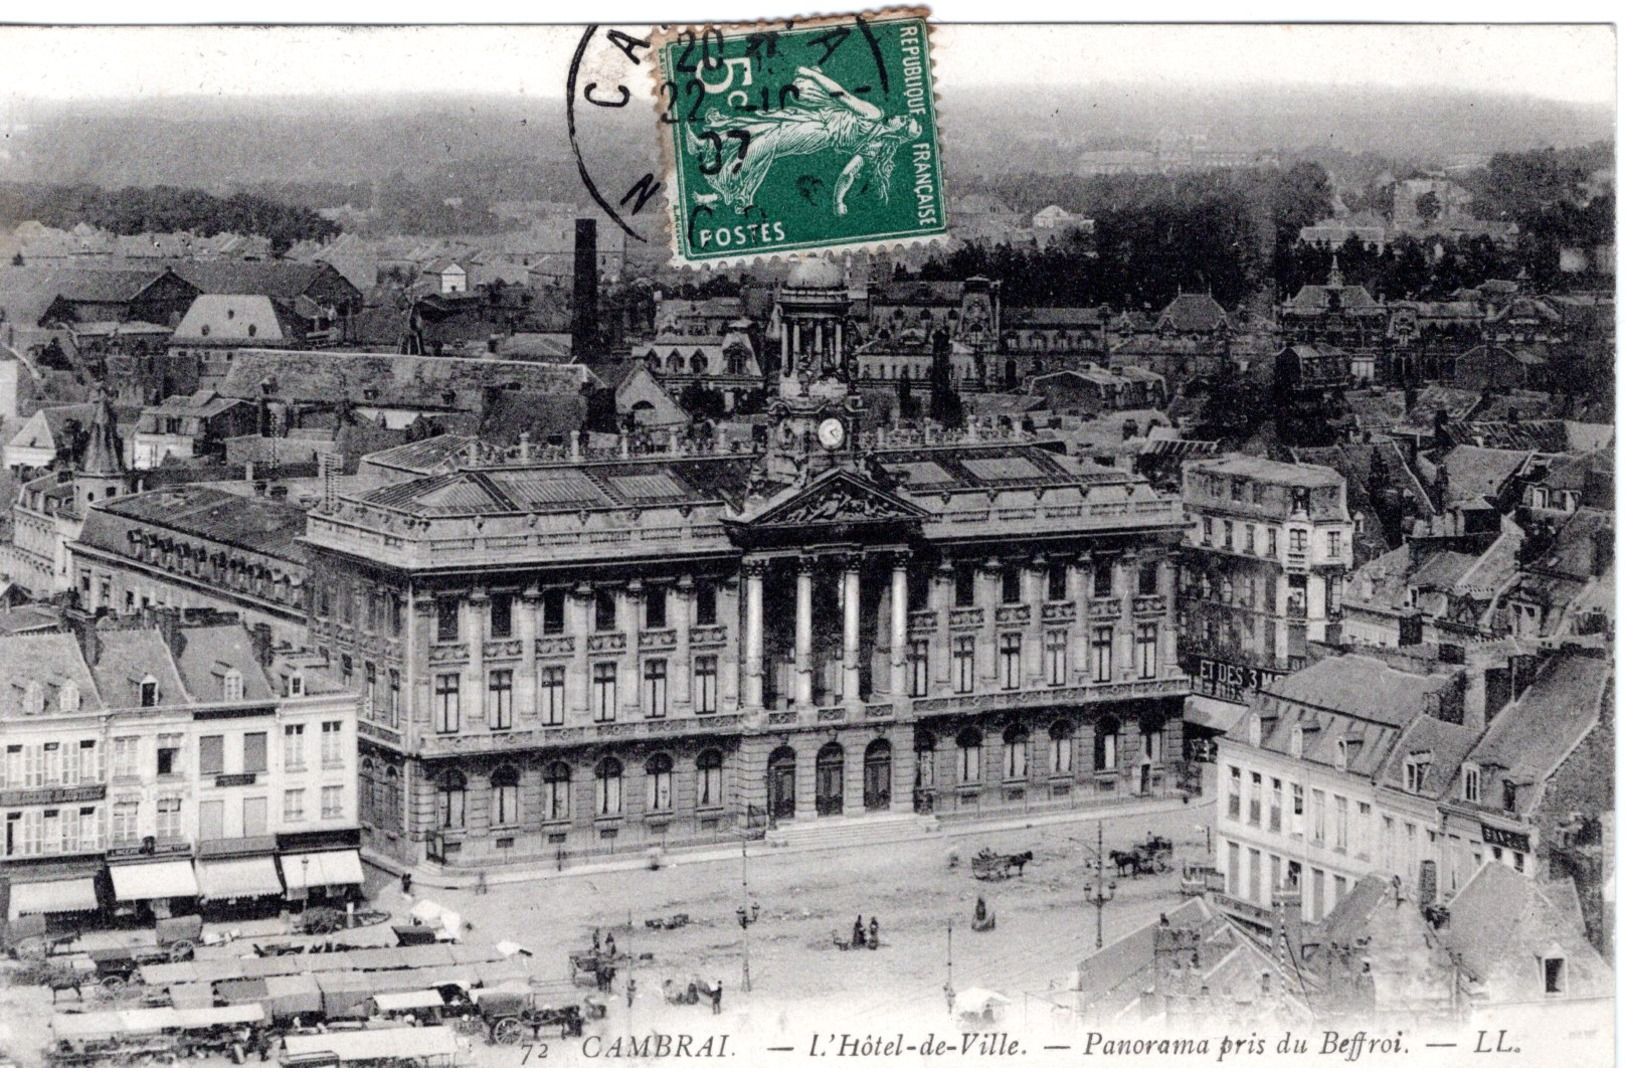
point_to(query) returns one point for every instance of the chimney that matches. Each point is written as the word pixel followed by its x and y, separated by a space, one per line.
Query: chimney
pixel 524 446
pixel 575 444
pixel 167 620
pixel 259 635
pixel 87 631
pixel 248 473
pixel 584 299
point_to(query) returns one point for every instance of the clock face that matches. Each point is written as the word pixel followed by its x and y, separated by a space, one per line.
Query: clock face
pixel 831 433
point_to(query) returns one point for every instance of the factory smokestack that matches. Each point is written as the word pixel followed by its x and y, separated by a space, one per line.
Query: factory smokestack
pixel 584 300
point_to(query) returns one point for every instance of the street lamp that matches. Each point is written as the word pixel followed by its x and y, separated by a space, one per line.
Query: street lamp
pixel 304 883
pixel 1100 892
pixel 748 910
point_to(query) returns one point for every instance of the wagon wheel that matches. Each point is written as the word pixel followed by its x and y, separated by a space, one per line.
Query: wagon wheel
pixel 181 949
pixel 508 1032
pixel 31 949
pixel 468 1025
pixel 111 987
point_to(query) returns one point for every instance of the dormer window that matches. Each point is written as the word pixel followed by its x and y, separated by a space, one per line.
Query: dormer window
pixel 1469 782
pixel 1416 770
pixel 67 697
pixel 1296 745
pixel 33 698
pixel 296 684
pixel 231 684
pixel 1340 755
pixel 1555 974
pixel 148 691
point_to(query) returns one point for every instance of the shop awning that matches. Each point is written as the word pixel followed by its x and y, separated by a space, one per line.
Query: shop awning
pixel 1214 714
pixel 145 882
pixel 252 876
pixel 58 895
pixel 310 869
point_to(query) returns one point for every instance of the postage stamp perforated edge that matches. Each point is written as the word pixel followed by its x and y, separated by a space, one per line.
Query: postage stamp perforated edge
pixel 665 36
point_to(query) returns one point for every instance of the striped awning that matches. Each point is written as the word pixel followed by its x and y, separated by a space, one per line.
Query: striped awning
pixel 58 895
pixel 253 876
pixel 149 881
pixel 340 867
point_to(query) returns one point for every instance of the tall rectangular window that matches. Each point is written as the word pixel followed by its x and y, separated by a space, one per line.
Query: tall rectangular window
pixel 553 611
pixel 392 711
pixel 1270 547
pixel 603 692
pixel 550 685
pixel 1010 660
pixel 964 585
pixel 1233 803
pixel 603 610
pixel 448 703
pixel 1340 823
pixel 705 684
pixel 1145 648
pixel 1101 648
pixel 501 615
pixel 1255 793
pixel 332 745
pixel 1056 588
pixel 919 667
pixel 654 688
pixel 1317 815
pixel 1102 580
pixel 654 607
pixel 211 754
pixel 1297 810
pixel 499 699
pixel 254 753
pixel 293 805
pixel 1275 805
pixel 1010 584
pixel 705 604
pixel 169 817
pixel 1055 657
pixel 370 676
pixel 447 627
pixel 964 663
pixel 1250 539
pixel 332 802
pixel 1148 579
pixel 1298 541
pixel 1334 544
pixel 293 748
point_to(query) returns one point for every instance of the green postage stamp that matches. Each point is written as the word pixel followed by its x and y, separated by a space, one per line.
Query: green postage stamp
pixel 799 136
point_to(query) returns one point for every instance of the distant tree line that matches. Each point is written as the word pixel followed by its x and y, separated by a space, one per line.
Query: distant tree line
pixel 136 210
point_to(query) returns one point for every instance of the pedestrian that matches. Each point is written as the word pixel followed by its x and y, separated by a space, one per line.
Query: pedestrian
pixel 609 944
pixel 857 932
pixel 596 946
pixel 406 883
pixel 631 990
pixel 874 933
pixel 716 999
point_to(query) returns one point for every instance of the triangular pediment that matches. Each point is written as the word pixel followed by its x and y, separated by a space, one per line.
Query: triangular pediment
pixel 839 497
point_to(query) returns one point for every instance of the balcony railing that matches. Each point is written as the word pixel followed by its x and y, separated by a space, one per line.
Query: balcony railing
pixel 1102 692
pixel 436 746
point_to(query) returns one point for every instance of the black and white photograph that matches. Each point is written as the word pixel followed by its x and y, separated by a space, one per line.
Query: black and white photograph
pixel 810 539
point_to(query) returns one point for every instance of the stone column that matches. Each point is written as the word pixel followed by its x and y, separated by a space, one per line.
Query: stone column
pixel 1033 579
pixel 988 598
pixel 576 686
pixel 478 604
pixel 631 622
pixel 784 349
pixel 728 654
pixel 851 590
pixel 899 626
pixel 804 631
pixel 680 675
pixel 753 633
pixel 530 609
pixel 942 602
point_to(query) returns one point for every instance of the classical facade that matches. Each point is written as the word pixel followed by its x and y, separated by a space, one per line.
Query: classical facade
pixel 564 658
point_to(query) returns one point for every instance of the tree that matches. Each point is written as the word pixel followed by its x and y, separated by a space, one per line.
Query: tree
pixel 1428 207
pixel 907 408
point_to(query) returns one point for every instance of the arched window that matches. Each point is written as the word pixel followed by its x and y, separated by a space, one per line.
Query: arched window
pixel 1015 753
pixel 607 778
pixel 452 794
pixel 925 759
pixel 969 743
pixel 1060 748
pixel 556 792
pixel 674 363
pixel 708 793
pixel 504 797
pixel 657 794
pixel 698 363
pixel 388 809
pixel 1106 744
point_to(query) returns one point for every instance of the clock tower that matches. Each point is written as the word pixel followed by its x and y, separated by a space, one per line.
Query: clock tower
pixel 815 409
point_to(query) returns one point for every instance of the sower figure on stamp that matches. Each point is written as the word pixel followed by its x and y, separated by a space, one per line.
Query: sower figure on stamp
pixel 819 115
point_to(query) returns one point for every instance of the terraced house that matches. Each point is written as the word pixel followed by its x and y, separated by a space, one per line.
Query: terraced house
pixel 590 654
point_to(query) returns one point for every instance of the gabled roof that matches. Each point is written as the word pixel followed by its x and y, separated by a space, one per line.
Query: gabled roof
pixel 1482 471
pixel 209 653
pixel 424 456
pixel 834 497
pixel 1503 924
pixel 127 658
pixel 49 659
pixel 1530 738
pixel 283 280
pixel 223 318
pixel 1193 313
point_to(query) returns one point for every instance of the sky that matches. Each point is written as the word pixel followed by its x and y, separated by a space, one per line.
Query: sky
pixel 1566 63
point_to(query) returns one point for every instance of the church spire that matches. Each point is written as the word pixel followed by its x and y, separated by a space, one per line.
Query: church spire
pixel 1334 278
pixel 101 456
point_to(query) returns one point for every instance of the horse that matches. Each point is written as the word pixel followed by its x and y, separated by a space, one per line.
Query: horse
pixel 1128 864
pixel 1020 860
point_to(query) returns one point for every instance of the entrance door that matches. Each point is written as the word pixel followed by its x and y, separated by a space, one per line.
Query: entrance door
pixel 781 783
pixel 831 773
pixel 877 776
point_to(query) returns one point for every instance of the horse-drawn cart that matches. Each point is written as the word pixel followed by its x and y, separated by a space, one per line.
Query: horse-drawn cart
pixel 989 865
pixel 36 937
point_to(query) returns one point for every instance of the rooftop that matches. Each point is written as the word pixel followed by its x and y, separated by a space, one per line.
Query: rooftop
pixel 268 526
pixel 50 660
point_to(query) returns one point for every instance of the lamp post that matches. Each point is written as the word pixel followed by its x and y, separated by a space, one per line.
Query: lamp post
pixel 748 910
pixel 304 882
pixel 1100 892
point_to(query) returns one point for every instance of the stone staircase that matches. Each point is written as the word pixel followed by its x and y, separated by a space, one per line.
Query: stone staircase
pixel 812 834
